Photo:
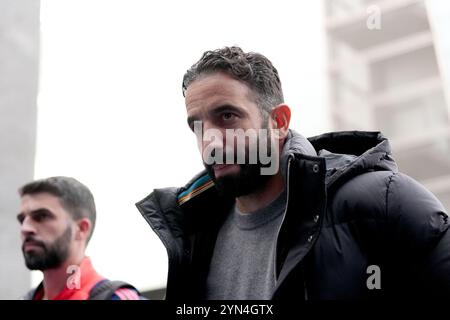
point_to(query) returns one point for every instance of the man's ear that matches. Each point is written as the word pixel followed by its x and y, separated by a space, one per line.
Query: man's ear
pixel 281 117
pixel 84 228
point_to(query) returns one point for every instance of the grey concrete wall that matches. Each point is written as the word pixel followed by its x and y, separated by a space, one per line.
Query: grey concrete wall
pixel 19 59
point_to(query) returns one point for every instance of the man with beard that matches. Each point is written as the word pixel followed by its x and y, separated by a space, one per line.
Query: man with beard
pixel 336 220
pixel 57 219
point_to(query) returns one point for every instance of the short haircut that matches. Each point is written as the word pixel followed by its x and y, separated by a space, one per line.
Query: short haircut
pixel 252 68
pixel 74 196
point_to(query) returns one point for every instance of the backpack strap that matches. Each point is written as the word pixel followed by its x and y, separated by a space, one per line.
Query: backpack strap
pixel 33 292
pixel 105 289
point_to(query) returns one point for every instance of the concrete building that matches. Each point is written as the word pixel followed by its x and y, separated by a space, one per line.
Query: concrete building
pixel 387 73
pixel 19 54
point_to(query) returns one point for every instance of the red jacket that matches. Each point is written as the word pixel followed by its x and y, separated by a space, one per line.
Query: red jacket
pixel 80 289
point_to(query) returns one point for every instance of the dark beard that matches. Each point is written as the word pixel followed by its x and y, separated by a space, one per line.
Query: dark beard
pixel 52 256
pixel 249 178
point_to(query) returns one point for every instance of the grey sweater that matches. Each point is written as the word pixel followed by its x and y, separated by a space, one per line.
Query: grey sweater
pixel 242 266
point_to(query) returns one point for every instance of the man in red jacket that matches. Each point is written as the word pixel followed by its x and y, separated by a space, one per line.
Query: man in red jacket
pixel 57 218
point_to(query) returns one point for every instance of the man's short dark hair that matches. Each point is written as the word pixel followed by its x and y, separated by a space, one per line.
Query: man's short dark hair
pixel 252 68
pixel 74 196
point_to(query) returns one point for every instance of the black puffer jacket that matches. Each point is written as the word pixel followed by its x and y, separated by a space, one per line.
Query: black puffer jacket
pixel 348 208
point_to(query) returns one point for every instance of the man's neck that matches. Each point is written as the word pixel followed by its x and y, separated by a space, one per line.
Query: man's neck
pixel 263 197
pixel 55 280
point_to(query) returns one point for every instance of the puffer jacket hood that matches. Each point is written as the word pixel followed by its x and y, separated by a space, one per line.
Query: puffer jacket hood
pixel 351 153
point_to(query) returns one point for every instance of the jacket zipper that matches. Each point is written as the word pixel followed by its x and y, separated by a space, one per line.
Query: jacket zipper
pixel 282 220
pixel 305 291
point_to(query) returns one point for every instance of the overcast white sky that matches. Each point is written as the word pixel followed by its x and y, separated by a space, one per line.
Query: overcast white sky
pixel 111 112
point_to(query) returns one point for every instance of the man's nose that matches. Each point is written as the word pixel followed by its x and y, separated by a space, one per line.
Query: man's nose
pixel 212 144
pixel 212 136
pixel 27 227
pixel 216 143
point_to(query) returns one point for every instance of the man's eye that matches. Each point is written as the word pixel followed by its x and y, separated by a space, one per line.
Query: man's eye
pixel 40 216
pixel 228 116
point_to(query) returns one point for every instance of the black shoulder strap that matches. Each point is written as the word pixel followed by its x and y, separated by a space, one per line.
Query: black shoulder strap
pixel 30 294
pixel 104 290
